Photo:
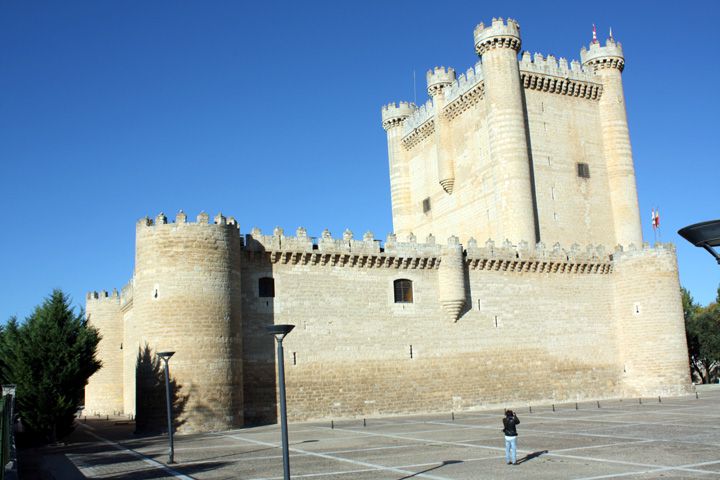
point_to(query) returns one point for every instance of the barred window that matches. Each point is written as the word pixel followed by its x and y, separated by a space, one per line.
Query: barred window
pixel 583 170
pixel 403 291
pixel 266 287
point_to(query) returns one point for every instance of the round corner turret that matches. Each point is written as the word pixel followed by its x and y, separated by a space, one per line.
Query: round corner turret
pixel 600 57
pixel 499 34
pixel 394 114
pixel 438 79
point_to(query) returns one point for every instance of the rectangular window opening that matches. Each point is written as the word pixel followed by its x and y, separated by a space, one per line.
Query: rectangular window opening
pixel 583 170
pixel 426 205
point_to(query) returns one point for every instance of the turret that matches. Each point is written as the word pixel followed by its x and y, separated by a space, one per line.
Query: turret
pixel 187 299
pixel 438 80
pixel 498 46
pixel 104 391
pixel 393 117
pixel 608 62
pixel 452 279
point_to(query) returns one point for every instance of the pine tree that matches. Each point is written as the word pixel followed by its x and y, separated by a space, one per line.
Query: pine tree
pixel 50 358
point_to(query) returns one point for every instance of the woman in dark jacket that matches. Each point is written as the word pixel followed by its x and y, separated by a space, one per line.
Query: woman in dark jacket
pixel 510 432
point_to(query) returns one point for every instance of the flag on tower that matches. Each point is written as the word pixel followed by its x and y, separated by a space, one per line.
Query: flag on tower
pixel 655 219
pixel 594 34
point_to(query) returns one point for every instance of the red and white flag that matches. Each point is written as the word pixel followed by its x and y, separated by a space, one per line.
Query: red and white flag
pixel 655 219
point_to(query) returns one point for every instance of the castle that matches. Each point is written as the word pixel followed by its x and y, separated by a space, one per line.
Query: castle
pixel 516 273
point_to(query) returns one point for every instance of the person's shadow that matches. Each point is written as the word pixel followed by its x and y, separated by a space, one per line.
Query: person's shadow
pixel 530 456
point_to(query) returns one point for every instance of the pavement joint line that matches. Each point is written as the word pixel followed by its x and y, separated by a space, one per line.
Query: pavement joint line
pixel 663 469
pixel 603 446
pixel 149 461
pixel 576 457
pixel 599 435
pixel 341 459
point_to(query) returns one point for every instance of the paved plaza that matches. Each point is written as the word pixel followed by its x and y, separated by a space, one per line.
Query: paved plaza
pixel 677 438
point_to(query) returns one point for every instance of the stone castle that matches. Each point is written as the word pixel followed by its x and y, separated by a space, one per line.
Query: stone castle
pixel 530 281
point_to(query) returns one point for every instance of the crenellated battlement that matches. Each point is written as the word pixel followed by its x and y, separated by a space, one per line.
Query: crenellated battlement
pixel 181 219
pixel 499 34
pixel 549 74
pixel 438 79
pixel 103 296
pixel 599 57
pixel 394 114
pixel 558 67
pixel 407 252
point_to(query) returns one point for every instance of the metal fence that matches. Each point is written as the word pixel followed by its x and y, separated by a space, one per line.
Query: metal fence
pixel 5 433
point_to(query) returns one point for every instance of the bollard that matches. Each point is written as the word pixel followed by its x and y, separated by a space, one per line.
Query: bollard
pixel 640 400
pixel 553 407
pixel 598 403
pixel 696 395
pixel 452 414
pixel 659 401
pixel 364 423
pixel 576 407
pixel 332 424
pixel 530 407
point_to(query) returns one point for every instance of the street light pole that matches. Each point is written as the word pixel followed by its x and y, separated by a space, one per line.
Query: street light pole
pixel 279 332
pixel 166 357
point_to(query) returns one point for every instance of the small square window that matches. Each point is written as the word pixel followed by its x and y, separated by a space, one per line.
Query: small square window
pixel 426 205
pixel 403 291
pixel 583 170
pixel 266 287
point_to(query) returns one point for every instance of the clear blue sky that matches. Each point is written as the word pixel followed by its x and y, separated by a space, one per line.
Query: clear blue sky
pixel 110 111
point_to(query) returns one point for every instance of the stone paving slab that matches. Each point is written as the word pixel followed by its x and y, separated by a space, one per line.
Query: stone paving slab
pixel 678 438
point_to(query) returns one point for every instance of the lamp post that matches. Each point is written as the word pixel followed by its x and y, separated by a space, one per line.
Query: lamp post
pixel 279 332
pixel 165 358
pixel 705 235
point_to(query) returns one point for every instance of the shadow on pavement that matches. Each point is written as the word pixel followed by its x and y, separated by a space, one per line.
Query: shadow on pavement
pixel 446 462
pixel 530 456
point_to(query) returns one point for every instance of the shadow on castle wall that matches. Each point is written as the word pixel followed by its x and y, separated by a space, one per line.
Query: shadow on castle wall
pixel 150 403
pixel 259 360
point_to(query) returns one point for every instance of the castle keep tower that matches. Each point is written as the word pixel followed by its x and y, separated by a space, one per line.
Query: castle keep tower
pixel 186 298
pixel 607 63
pixel 498 46
pixel 531 149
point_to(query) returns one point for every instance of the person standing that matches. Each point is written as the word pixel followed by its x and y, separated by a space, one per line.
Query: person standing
pixel 510 432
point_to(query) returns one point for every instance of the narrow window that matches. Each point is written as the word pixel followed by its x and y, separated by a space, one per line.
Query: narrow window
pixel 266 287
pixel 583 170
pixel 403 291
pixel 426 205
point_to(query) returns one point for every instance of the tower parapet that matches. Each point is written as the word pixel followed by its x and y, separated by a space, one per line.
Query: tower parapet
pixel 598 57
pixel 499 34
pixel 438 79
pixel 394 115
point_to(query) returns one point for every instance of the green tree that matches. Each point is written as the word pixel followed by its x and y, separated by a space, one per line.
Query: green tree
pixel 702 330
pixel 50 358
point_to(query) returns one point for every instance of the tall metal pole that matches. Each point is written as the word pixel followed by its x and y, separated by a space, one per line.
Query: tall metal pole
pixel 166 357
pixel 283 410
pixel 171 454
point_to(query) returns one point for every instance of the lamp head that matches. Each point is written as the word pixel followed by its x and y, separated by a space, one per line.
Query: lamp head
pixel 705 235
pixel 279 331
pixel 165 355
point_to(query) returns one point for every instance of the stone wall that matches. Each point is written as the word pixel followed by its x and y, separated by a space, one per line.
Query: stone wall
pixel 104 394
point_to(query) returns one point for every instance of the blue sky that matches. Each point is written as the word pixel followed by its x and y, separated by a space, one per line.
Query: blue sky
pixel 270 111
